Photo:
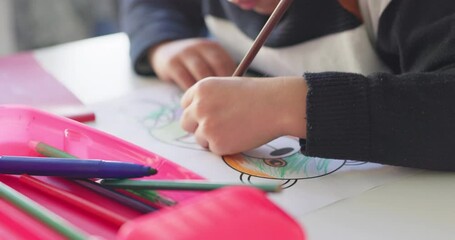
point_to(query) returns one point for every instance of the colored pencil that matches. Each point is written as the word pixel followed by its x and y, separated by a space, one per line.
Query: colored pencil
pixel 45 216
pixel 74 200
pixel 150 195
pixel 274 18
pixel 72 168
pixel 116 196
pixel 49 151
pixel 153 197
pixel 194 185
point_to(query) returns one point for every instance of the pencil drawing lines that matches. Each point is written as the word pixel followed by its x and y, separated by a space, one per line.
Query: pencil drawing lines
pixel 161 119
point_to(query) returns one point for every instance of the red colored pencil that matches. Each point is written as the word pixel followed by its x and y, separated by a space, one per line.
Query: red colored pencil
pixel 74 200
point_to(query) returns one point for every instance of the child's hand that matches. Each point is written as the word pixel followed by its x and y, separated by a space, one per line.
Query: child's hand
pixel 190 60
pixel 233 114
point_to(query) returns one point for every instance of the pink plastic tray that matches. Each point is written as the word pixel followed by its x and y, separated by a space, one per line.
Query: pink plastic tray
pixel 20 125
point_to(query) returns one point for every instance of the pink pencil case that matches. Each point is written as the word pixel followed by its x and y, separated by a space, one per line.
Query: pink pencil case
pixel 240 212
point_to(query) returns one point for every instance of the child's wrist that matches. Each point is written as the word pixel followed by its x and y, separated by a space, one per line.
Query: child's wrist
pixel 294 116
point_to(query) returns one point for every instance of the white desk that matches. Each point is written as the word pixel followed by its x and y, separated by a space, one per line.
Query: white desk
pixel 420 206
pixel 88 66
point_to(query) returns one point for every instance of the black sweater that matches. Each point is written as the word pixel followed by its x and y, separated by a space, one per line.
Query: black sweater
pixel 381 78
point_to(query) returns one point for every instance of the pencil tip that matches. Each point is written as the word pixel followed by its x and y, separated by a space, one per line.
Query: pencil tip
pixel 32 144
pixel 152 171
pixel 278 189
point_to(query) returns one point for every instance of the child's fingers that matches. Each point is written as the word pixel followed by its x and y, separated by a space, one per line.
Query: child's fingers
pixel 188 122
pixel 200 138
pixel 197 66
pixel 181 76
pixel 221 63
pixel 187 98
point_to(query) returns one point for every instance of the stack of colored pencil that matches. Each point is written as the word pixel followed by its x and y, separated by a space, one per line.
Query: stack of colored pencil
pixel 59 163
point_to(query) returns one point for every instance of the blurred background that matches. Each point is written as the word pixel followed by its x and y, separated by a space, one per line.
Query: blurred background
pixel 30 24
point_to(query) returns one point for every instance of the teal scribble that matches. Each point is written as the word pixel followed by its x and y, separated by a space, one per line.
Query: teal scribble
pixel 296 166
pixel 323 165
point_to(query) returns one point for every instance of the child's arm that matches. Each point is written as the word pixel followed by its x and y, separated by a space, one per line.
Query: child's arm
pixel 405 119
pixel 150 22
pixel 165 39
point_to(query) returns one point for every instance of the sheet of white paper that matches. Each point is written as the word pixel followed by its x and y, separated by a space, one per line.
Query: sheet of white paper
pixel 416 207
pixel 150 118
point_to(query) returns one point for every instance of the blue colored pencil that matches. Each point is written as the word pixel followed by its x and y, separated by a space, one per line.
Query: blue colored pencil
pixel 72 168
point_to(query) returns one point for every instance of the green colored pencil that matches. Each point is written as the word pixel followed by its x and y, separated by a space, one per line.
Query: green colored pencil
pixel 45 216
pixel 193 185
pixel 153 197
pixel 49 151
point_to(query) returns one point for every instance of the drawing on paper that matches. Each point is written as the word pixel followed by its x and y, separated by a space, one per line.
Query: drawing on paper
pixel 161 119
pixel 279 160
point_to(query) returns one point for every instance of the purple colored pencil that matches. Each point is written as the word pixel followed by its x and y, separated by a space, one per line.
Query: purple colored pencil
pixel 116 196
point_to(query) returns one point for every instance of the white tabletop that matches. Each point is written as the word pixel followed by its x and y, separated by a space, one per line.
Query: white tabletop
pixel 419 206
pixel 95 69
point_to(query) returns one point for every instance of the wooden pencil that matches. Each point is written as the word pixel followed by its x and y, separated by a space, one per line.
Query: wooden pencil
pixel 273 20
pixel 43 215
pixel 191 185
